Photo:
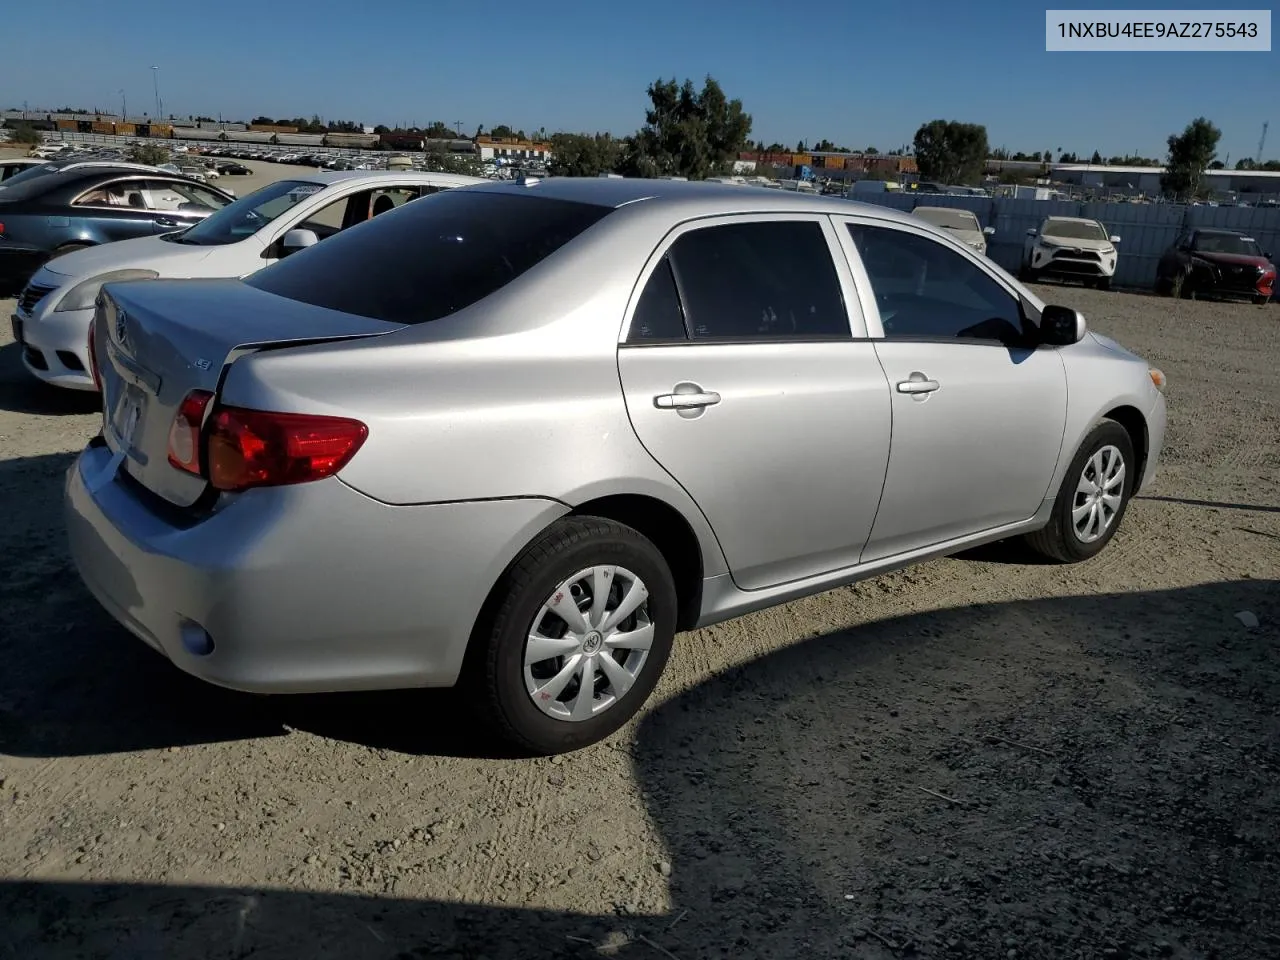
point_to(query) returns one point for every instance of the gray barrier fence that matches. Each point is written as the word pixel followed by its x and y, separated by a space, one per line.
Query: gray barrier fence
pixel 1146 230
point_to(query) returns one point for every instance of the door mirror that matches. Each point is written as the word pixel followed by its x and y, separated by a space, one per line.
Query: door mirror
pixel 1031 231
pixel 296 240
pixel 1114 239
pixel 989 231
pixel 1061 326
pixel 1267 255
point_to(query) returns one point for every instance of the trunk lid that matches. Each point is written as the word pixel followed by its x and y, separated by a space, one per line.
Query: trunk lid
pixel 157 340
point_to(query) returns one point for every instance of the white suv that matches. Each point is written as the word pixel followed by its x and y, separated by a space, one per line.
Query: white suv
pixel 57 306
pixel 1070 247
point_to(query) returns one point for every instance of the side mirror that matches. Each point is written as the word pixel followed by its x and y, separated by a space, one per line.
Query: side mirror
pixel 1061 326
pixel 1114 239
pixel 1031 231
pixel 1267 255
pixel 989 231
pixel 296 240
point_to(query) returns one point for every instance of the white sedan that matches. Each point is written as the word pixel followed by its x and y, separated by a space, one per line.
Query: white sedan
pixel 57 305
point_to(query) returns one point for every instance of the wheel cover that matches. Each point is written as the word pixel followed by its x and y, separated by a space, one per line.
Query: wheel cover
pixel 588 643
pixel 1099 494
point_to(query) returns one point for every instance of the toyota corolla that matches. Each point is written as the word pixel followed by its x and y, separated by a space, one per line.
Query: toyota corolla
pixel 516 436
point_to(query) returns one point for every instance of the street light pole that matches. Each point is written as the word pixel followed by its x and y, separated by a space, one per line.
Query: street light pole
pixel 155 83
pixel 124 107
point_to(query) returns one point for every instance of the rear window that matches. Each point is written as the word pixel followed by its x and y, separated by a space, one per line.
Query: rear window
pixel 429 258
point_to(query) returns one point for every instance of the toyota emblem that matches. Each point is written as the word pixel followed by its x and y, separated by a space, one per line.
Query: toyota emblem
pixel 122 328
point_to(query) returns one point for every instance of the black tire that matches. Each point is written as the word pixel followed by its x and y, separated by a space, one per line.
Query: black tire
pixel 1058 539
pixel 567 546
pixel 1103 283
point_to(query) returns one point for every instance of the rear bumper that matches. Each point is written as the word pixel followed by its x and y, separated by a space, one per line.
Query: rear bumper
pixel 314 587
pixel 18 262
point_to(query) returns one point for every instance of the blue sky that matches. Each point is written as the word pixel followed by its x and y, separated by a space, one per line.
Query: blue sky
pixel 861 74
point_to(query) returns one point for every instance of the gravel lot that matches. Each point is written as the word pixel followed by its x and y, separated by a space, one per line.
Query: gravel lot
pixel 981 757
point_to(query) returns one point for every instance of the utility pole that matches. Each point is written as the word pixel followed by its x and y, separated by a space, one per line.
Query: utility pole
pixel 1262 142
pixel 124 107
pixel 458 128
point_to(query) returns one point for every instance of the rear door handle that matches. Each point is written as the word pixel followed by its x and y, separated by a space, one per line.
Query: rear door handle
pixel 686 401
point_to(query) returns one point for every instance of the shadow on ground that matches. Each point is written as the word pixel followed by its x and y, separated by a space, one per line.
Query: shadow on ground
pixel 20 392
pixel 1061 777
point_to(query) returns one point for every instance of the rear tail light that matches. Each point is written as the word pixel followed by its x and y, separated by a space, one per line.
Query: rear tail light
pixel 184 432
pixel 256 448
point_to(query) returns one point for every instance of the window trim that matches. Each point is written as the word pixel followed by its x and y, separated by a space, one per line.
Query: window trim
pixel 871 309
pixel 136 178
pixel 853 308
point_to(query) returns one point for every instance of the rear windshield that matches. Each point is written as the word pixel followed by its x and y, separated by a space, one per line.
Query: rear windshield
pixel 430 257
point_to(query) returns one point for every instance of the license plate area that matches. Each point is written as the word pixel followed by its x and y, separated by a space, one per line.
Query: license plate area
pixel 125 415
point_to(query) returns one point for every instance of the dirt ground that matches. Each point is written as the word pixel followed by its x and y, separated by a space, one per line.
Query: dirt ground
pixel 982 757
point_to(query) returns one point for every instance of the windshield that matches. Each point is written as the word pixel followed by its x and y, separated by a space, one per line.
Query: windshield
pixel 248 215
pixel 1074 229
pixel 1227 243
pixel 32 172
pixel 949 219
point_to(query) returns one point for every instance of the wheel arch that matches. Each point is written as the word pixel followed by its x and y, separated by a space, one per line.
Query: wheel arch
pixel 1135 424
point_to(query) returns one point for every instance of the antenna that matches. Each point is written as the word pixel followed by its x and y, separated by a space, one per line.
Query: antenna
pixel 1262 140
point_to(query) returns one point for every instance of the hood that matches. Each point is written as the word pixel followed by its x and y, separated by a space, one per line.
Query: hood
pixel 1098 246
pixel 151 253
pixel 1232 259
pixel 974 238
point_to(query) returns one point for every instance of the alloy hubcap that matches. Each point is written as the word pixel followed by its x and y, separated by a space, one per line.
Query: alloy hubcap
pixel 1098 494
pixel 588 643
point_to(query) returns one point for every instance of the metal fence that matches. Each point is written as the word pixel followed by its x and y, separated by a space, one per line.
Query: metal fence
pixel 1146 230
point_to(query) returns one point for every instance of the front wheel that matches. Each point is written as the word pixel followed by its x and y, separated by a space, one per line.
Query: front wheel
pixel 583 627
pixel 1092 499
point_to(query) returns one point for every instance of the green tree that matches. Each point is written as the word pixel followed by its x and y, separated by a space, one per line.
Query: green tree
pixel 501 131
pixel 1190 154
pixel 948 151
pixel 1096 158
pixel 27 135
pixel 583 155
pixel 149 154
pixel 688 133
pixel 438 131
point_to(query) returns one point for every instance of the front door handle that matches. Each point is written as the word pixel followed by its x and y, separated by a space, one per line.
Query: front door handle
pixel 686 401
pixel 918 383
pixel 166 222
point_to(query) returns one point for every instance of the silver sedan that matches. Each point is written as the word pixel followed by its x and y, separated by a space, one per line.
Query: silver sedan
pixel 517 436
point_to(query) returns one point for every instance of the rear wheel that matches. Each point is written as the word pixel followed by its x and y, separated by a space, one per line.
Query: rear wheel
pixel 583 627
pixel 1261 301
pixel 1092 499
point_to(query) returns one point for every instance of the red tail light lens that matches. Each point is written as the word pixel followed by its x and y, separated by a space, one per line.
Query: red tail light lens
pixel 257 448
pixel 184 432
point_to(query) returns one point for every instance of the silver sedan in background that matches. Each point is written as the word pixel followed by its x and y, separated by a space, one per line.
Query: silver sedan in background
pixel 516 436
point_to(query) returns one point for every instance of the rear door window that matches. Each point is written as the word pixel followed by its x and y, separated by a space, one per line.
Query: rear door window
pixel 441 255
pixel 760 280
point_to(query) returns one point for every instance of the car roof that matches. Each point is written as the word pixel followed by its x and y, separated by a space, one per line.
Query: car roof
pixel 426 178
pixel 1072 219
pixel 77 176
pixel 687 197
pixel 1223 230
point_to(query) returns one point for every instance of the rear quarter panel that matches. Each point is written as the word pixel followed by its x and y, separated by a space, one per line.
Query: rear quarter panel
pixel 517 396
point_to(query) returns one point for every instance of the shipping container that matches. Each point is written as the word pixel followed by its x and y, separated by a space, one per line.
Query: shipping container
pixel 104 126
pixel 801 159
pixel 69 125
pixel 126 130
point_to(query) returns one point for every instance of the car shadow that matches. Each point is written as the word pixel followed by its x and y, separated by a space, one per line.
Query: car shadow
pixel 20 392
pixel 1067 776
pixel 1215 504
